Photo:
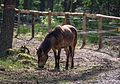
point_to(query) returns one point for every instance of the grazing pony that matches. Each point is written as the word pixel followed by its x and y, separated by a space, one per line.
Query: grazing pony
pixel 61 37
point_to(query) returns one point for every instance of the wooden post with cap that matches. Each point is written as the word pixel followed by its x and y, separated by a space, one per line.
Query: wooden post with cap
pixel 84 30
pixel 66 20
pixel 33 25
pixel 49 21
pixel 99 32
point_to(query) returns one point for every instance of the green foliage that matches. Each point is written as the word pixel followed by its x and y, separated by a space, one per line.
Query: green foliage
pixel 37 28
pixel 24 29
pixel 17 61
pixel 58 7
pixel 36 4
pixel 40 36
pixel 25 56
pixel 21 4
pixel 9 64
pixel 92 38
pixel 54 21
pixel 87 3
pixel 77 22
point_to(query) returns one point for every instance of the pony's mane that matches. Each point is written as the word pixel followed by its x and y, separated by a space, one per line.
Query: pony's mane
pixel 55 33
pixel 46 44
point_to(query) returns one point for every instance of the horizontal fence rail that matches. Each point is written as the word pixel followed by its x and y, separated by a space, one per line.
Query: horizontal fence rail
pixel 40 13
pixel 66 15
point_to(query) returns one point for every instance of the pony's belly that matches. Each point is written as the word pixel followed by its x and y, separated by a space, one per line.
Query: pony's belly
pixel 62 45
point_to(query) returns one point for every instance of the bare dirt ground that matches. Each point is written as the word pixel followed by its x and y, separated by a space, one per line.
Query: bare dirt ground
pixel 91 67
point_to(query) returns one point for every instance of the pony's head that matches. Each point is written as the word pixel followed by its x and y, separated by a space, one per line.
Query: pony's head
pixel 42 58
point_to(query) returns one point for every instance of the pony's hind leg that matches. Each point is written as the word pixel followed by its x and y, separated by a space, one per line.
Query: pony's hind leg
pixel 67 59
pixel 71 56
pixel 72 60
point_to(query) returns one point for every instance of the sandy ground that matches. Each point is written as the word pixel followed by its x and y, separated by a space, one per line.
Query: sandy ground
pixel 91 67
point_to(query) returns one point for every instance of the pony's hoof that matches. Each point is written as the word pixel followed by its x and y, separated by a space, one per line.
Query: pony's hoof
pixel 57 69
pixel 40 68
pixel 72 68
pixel 66 68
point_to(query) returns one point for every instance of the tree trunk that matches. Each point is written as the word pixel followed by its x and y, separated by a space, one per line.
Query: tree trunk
pixel 66 5
pixel 6 35
pixel 17 3
pixel 42 5
pixel 49 4
pixel 27 4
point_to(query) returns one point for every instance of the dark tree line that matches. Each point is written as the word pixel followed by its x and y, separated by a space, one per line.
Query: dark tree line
pixel 108 7
pixel 46 4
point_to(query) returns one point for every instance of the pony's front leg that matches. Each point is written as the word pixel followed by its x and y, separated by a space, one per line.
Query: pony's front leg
pixel 57 58
pixel 55 55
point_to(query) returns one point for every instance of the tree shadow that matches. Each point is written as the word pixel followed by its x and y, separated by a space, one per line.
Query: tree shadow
pixel 99 50
pixel 83 75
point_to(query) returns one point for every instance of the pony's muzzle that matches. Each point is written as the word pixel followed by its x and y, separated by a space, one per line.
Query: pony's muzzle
pixel 40 66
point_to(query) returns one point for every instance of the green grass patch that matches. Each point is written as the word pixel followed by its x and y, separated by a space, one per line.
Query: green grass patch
pixel 25 56
pixel 11 65
pixel 24 29
pixel 18 61
pixel 40 36
pixel 93 38
pixel 64 82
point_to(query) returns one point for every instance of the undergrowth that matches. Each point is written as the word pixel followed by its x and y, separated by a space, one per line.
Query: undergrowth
pixel 15 61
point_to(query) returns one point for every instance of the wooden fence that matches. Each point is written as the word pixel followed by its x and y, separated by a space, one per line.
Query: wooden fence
pixel 66 21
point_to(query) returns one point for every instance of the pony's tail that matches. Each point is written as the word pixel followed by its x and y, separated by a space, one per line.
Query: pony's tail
pixel 75 40
pixel 74 30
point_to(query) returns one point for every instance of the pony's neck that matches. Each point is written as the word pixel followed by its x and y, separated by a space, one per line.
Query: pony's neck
pixel 46 45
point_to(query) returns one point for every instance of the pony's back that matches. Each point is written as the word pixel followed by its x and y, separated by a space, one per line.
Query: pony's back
pixel 63 36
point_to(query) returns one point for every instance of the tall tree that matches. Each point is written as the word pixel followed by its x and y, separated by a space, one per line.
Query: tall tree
pixel 66 5
pixel 42 5
pixel 17 3
pixel 27 4
pixel 49 4
pixel 6 35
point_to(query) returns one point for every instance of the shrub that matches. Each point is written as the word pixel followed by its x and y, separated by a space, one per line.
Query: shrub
pixel 93 38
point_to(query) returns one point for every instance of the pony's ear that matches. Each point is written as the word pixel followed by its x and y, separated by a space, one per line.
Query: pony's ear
pixel 39 51
pixel 36 48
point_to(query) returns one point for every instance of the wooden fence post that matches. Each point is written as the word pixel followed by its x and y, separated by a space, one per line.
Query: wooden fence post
pixel 99 31
pixel 66 20
pixel 49 21
pixel 18 25
pixel 84 30
pixel 33 25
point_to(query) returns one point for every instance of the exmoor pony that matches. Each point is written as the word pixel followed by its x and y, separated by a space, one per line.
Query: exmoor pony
pixel 61 37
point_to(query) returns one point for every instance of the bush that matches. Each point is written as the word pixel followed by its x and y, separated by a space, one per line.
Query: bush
pixel 24 29
pixel 93 38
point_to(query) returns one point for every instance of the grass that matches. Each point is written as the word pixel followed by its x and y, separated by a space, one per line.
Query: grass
pixel 64 82
pixel 40 36
pixel 10 65
pixel 93 38
pixel 24 29
pixel 16 61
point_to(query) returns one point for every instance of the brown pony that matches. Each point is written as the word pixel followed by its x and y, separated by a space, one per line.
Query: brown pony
pixel 61 37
